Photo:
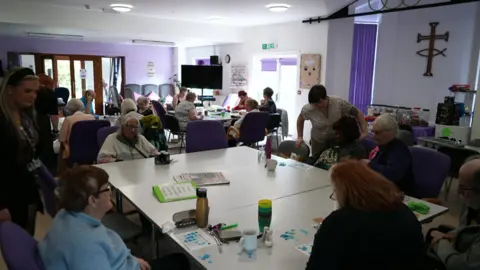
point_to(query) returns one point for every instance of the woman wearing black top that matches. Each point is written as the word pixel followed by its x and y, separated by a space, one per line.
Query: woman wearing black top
pixel 372 230
pixel 19 198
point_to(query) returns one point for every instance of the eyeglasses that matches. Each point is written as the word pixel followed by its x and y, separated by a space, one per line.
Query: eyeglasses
pixel 107 189
pixel 333 196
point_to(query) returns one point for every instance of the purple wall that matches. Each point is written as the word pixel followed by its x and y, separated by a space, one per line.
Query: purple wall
pixel 136 56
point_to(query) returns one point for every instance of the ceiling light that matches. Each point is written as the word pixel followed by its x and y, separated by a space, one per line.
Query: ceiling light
pixel 54 36
pixel 121 7
pixel 153 42
pixel 278 7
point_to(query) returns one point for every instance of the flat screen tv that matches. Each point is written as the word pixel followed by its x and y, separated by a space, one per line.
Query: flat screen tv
pixel 202 77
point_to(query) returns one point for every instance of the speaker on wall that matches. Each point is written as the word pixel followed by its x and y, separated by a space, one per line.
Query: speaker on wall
pixel 214 60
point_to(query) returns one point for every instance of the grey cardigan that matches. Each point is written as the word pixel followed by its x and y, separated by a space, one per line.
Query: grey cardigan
pixel 464 253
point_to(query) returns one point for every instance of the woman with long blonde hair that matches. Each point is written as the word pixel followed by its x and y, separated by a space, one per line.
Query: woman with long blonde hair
pixel 19 198
pixel 372 229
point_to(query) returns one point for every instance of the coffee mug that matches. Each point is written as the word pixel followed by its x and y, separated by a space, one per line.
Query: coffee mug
pixel 163 158
pixel 271 164
pixel 249 241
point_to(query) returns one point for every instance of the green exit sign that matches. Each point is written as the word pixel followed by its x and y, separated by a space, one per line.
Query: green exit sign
pixel 269 46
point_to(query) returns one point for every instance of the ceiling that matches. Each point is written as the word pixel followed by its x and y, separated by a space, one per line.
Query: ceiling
pixel 234 12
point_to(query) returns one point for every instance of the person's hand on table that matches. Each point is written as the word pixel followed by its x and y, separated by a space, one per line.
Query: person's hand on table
pixel 5 215
pixel 143 264
pixel 299 142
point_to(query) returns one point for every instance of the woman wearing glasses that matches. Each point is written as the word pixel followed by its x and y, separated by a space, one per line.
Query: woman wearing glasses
pixel 372 229
pixel 126 144
pixel 77 238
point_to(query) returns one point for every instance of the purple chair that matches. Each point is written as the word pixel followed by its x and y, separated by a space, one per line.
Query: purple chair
pixel 160 111
pixel 204 135
pixel 253 127
pixel 83 141
pixel 48 184
pixel 19 249
pixel 430 169
pixel 103 133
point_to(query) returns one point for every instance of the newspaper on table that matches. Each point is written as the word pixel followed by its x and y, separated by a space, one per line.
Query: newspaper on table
pixel 203 179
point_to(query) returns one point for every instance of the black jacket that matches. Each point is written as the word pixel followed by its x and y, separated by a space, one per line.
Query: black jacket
pixel 352 239
pixel 17 184
pixel 394 162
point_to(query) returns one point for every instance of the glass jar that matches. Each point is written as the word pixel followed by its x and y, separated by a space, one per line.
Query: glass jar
pixel 415 117
pixel 406 116
pixel 425 117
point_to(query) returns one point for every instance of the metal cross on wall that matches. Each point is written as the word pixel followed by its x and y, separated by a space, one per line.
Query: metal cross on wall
pixel 432 51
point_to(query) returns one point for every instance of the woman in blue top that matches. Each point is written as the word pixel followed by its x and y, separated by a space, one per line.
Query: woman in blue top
pixel 77 239
pixel 87 100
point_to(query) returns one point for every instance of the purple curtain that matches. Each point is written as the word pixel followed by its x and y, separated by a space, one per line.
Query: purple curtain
pixel 288 61
pixel 206 61
pixel 269 64
pixel 363 61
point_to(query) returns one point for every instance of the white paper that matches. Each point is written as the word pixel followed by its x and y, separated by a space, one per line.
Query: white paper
pixel 194 240
pixel 178 191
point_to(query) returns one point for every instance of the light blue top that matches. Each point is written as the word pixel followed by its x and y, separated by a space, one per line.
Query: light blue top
pixel 77 241
pixel 87 104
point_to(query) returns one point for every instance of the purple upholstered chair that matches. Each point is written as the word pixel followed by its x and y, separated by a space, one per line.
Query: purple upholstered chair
pixel 430 169
pixel 160 111
pixel 19 249
pixel 83 141
pixel 253 127
pixel 205 135
pixel 48 184
pixel 103 133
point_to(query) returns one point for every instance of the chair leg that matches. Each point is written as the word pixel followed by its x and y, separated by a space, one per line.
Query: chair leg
pixel 169 133
pixel 180 137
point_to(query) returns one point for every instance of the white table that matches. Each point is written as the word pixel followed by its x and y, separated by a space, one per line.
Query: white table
pixel 294 212
pixel 249 180
pixel 226 117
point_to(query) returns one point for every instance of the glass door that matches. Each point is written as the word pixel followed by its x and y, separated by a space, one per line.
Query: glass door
pixel 79 74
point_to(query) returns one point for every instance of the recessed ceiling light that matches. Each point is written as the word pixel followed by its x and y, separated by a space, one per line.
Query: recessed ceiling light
pixel 121 7
pixel 278 7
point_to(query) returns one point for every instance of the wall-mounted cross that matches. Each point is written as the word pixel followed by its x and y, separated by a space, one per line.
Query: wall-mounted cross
pixel 432 52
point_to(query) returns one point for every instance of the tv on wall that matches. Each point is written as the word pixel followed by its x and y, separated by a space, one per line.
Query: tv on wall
pixel 202 77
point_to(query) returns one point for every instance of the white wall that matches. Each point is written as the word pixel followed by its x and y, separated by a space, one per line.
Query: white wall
pixel 339 57
pixel 294 37
pixel 399 72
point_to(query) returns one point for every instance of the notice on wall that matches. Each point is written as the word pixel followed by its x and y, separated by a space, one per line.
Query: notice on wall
pixel 239 78
pixel 151 69
pixel 310 65
pixel 83 74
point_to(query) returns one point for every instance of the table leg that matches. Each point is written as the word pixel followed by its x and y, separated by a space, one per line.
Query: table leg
pixel 154 242
pixel 118 198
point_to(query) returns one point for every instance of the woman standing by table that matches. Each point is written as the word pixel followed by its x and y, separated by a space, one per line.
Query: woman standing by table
pixel 323 111
pixel 19 198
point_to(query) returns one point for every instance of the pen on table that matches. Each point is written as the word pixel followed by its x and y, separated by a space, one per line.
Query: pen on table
pixel 231 226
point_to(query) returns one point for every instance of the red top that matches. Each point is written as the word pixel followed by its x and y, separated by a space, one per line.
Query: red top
pixel 240 106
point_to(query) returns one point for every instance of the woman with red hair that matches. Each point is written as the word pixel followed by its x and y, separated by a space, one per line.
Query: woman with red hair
pixel 372 229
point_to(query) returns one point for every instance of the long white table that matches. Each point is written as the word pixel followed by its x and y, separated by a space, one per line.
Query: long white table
pixel 249 180
pixel 294 212
pixel 298 194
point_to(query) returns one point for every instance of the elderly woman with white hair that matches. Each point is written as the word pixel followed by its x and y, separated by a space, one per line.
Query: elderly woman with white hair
pixel 128 108
pixel 76 109
pixel 393 159
pixel 126 144
pixel 143 106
